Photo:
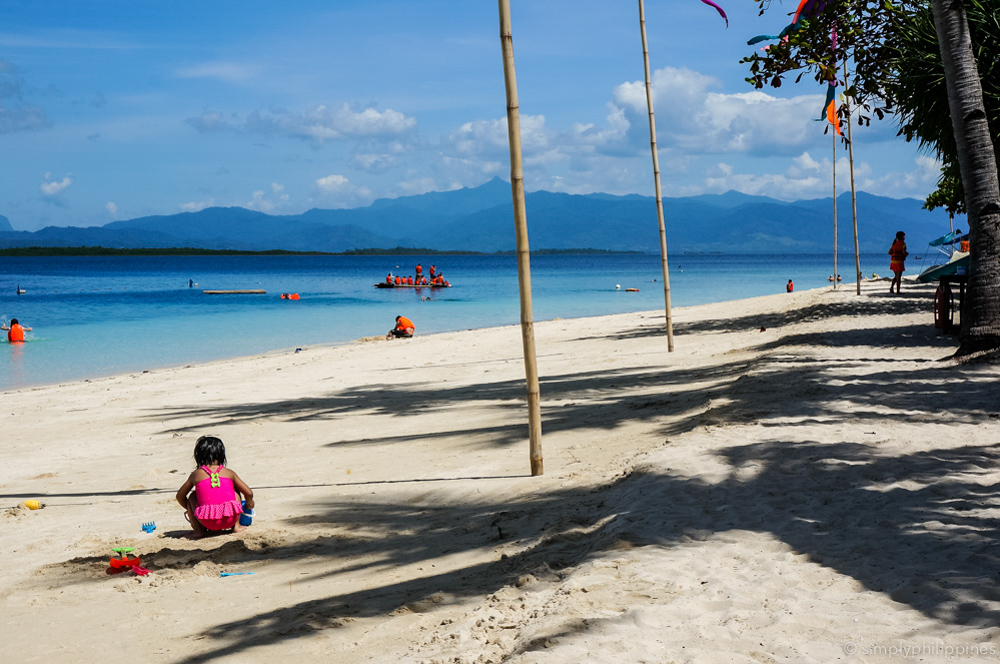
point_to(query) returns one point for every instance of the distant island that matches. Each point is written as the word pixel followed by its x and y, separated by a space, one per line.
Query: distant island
pixel 478 220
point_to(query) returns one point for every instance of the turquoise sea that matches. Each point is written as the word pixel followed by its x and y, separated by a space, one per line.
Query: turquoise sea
pixel 98 316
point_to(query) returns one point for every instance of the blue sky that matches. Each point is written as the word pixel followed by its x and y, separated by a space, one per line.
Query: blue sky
pixel 118 109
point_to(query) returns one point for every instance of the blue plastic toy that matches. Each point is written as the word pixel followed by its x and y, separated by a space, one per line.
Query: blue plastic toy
pixel 149 526
pixel 247 517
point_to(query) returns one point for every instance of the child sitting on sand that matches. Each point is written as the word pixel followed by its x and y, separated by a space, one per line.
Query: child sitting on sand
pixel 215 502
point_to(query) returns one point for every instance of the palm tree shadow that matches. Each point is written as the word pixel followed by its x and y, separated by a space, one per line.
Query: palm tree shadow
pixel 905 526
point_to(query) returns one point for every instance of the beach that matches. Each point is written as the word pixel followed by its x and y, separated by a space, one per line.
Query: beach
pixel 806 478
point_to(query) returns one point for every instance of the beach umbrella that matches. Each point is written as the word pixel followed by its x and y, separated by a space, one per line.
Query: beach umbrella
pixel 521 231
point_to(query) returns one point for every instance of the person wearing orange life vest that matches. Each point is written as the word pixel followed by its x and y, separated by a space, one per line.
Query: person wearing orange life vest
pixel 897 259
pixel 15 331
pixel 404 328
pixel 789 287
pixel 418 272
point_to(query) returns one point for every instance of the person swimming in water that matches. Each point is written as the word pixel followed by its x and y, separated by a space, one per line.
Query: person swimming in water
pixel 15 331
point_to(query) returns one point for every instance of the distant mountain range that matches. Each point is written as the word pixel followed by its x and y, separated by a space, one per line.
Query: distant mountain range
pixel 481 219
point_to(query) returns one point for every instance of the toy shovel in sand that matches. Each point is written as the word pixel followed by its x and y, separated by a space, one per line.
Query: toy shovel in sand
pixel 124 563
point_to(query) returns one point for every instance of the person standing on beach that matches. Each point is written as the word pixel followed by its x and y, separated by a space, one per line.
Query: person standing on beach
pixel 897 257
pixel 15 332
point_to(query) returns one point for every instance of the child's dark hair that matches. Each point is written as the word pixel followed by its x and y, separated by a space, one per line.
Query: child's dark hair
pixel 208 451
pixel 900 235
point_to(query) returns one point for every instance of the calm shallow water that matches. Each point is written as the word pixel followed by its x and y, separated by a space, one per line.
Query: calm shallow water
pixel 95 317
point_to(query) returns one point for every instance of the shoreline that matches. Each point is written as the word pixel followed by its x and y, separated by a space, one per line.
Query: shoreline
pixel 369 339
pixel 755 495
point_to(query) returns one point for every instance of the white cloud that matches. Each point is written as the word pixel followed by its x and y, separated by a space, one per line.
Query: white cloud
pixel 227 71
pixel 50 188
pixel 806 177
pixel 693 117
pixel 419 186
pixel 112 208
pixel 197 206
pixel 208 122
pixel 389 155
pixel 338 191
pixel 318 124
pixel 805 162
pixel 262 202
pixel 333 183
pixel 479 136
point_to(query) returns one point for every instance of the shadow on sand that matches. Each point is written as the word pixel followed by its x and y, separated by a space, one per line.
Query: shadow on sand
pixel 916 527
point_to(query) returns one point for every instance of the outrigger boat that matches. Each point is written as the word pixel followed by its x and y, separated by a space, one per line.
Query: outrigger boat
pixel 957 263
pixel 383 284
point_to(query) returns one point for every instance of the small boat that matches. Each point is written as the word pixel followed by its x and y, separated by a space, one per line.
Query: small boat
pixel 255 291
pixel 383 284
pixel 957 264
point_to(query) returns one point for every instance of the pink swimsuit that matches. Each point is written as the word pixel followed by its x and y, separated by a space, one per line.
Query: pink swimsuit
pixel 218 506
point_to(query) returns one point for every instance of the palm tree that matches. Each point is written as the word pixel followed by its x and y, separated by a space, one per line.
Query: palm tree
pixel 980 335
pixel 915 81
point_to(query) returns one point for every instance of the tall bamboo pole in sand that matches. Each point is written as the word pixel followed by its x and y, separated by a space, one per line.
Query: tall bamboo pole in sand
pixel 854 194
pixel 656 179
pixel 833 134
pixel 521 230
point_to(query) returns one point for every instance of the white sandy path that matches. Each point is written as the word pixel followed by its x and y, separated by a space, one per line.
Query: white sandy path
pixel 755 496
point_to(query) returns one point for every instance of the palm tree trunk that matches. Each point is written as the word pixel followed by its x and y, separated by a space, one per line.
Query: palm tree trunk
pixel 521 231
pixel 980 334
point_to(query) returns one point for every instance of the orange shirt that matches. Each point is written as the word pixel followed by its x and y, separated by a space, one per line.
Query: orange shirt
pixel 404 323
pixel 15 333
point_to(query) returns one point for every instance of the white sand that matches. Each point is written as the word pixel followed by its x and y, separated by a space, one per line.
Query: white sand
pixel 773 495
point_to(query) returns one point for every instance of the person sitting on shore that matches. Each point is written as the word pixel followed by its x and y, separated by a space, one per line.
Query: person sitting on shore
pixel 790 286
pixel 15 331
pixel 214 504
pixel 404 328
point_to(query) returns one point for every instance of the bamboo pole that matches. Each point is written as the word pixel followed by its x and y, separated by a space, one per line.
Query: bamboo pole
pixel 521 231
pixel 656 180
pixel 854 194
pixel 833 134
